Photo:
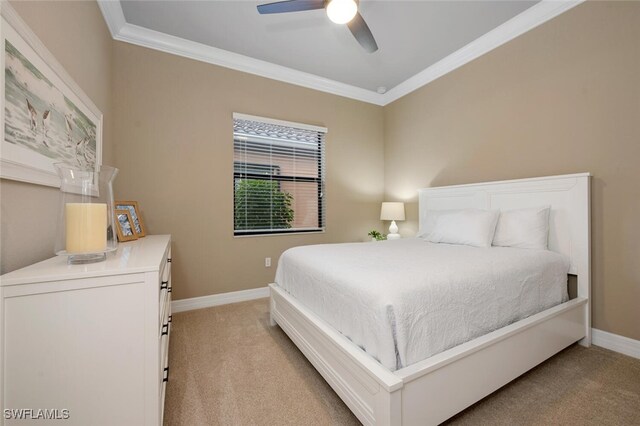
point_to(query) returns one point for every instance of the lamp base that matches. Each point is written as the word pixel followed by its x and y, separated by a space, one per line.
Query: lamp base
pixel 393 231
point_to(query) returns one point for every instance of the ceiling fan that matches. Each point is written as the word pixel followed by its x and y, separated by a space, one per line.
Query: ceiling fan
pixel 339 11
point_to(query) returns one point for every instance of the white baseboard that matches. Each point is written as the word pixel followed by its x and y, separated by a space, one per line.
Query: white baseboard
pixel 218 299
pixel 615 342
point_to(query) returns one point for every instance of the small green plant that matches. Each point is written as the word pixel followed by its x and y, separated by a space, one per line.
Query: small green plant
pixel 378 236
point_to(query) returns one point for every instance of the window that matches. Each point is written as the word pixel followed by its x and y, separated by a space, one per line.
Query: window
pixel 278 176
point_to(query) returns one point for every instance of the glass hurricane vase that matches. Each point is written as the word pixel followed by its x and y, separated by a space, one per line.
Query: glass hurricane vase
pixel 86 223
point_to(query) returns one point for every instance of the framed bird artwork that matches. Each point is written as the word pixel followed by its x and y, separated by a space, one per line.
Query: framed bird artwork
pixel 46 117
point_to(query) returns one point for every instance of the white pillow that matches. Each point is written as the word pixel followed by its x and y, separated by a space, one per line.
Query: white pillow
pixel 470 227
pixel 430 221
pixel 523 228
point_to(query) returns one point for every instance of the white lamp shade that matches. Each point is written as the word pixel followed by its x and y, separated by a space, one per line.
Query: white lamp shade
pixel 392 211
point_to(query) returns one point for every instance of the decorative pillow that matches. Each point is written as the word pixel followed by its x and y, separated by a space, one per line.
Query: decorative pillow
pixel 523 228
pixel 469 227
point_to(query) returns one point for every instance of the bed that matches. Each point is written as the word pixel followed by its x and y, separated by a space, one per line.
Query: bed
pixel 432 298
pixel 392 372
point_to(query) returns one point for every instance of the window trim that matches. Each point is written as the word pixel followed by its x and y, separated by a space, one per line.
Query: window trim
pixel 320 180
pixel 278 234
pixel 258 233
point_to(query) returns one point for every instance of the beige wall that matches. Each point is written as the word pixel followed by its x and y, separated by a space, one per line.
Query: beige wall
pixel 76 34
pixel 174 146
pixel 562 98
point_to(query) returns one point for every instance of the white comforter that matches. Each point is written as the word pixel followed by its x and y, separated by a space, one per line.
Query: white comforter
pixel 405 300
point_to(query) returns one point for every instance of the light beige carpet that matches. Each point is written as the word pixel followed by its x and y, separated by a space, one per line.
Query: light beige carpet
pixel 228 367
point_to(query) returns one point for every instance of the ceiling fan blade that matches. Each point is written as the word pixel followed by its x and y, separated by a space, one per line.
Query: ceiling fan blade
pixel 362 33
pixel 290 6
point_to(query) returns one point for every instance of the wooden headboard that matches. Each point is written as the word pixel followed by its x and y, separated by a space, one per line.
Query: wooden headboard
pixel 569 221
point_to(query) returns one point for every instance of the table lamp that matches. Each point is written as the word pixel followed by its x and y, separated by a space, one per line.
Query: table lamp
pixel 392 211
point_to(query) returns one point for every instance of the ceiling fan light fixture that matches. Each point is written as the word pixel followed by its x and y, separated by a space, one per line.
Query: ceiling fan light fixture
pixel 341 11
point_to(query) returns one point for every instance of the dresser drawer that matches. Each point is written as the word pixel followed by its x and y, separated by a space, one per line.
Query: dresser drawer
pixel 163 375
pixel 164 297
pixel 164 319
pixel 165 290
pixel 162 395
pixel 164 357
pixel 166 269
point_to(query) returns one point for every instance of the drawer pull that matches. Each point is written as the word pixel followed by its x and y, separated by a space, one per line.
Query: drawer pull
pixel 164 284
pixel 166 375
pixel 169 260
pixel 165 329
pixel 169 290
pixel 169 318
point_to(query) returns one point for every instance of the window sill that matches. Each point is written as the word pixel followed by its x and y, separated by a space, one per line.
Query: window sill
pixel 280 234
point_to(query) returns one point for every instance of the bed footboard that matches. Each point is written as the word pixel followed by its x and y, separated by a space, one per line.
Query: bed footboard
pixel 433 390
pixel 445 384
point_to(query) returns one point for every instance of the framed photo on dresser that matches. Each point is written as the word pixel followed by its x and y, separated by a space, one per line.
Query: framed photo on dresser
pixel 136 217
pixel 124 225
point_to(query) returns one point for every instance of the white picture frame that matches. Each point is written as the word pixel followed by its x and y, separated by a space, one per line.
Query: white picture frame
pixel 27 150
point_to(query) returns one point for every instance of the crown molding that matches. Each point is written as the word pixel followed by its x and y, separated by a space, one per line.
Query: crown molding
pixel 529 19
pixel 201 52
pixel 113 15
pixel 134 34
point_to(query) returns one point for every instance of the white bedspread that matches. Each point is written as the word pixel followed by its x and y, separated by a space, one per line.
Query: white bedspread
pixel 405 300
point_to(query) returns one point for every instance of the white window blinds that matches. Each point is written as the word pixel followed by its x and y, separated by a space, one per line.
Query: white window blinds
pixel 278 176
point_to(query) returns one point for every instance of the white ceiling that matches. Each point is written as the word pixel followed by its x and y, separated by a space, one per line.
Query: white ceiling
pixel 420 40
pixel 411 35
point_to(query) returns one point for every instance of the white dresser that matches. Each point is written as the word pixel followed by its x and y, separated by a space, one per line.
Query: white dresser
pixel 91 339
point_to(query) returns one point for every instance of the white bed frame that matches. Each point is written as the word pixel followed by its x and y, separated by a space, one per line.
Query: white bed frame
pixel 433 390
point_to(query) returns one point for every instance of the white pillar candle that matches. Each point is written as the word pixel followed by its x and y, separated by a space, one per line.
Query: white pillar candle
pixel 86 227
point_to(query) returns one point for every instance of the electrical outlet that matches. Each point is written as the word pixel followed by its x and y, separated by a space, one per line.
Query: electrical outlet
pixel 267 262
